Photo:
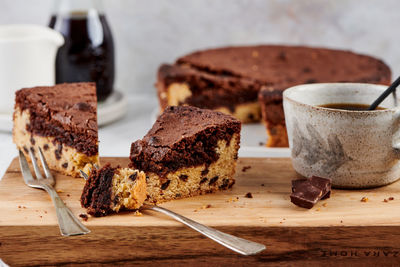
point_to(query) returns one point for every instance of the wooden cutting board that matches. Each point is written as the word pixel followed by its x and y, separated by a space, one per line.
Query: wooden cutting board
pixel 339 230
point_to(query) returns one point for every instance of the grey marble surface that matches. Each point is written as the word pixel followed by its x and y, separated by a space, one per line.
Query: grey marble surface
pixel 150 32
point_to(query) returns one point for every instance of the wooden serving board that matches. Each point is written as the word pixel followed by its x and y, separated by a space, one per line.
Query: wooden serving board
pixel 339 230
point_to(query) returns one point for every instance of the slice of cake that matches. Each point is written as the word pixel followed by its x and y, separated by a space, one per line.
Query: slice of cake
pixel 229 79
pixel 113 189
pixel 62 121
pixel 188 151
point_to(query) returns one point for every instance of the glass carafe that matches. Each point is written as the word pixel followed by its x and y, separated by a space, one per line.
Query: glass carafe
pixel 88 52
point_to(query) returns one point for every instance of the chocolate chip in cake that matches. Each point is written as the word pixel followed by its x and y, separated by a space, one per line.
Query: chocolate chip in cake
pixel 204 172
pixel 178 195
pixel 251 116
pixel 65 165
pixel 133 176
pixel 183 177
pixel 165 185
pixel 46 147
pixel 203 180
pixel 116 200
pixel 82 106
pixel 213 180
pixel 32 140
pixel 58 151
pixel 225 184
pixel 26 149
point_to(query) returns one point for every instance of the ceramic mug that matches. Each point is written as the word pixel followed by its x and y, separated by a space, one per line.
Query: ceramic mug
pixel 356 149
pixel 27 59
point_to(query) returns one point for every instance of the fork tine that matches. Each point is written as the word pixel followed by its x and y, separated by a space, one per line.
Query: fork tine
pixel 84 175
pixel 35 165
pixel 45 166
pixel 26 172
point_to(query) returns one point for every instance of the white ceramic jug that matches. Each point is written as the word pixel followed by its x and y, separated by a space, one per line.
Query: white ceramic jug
pixel 27 59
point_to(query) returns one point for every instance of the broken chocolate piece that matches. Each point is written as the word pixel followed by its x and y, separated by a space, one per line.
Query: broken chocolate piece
pixel 306 192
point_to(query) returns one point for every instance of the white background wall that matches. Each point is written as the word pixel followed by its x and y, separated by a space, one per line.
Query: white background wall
pixel 149 32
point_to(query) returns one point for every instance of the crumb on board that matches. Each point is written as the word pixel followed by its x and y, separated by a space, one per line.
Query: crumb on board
pixel 19 206
pixel 341 221
pixel 68 195
pixel 248 195
pixel 364 199
pixel 137 213
pixel 41 216
pixel 245 168
pixel 318 209
pixel 195 211
pixel 233 200
pixel 45 211
pixel 391 198
pixel 208 206
pixel 262 185
pixel 261 143
pixel 385 200
pixel 84 216
pixel 59 191
pixel 325 204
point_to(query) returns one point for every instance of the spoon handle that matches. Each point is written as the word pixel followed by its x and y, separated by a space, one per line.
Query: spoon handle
pixel 387 92
pixel 239 245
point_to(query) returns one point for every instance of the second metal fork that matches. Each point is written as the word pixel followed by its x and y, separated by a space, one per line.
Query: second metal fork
pixel 68 223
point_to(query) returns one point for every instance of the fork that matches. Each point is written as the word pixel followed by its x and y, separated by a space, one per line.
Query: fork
pixel 237 244
pixel 68 223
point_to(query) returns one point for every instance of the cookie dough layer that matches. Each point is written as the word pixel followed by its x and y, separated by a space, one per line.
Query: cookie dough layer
pixel 192 181
pixel 59 157
pixel 128 189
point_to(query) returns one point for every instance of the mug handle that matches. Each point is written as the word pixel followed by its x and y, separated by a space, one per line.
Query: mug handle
pixel 396 134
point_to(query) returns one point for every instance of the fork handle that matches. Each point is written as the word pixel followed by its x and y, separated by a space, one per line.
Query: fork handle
pixel 237 244
pixel 68 223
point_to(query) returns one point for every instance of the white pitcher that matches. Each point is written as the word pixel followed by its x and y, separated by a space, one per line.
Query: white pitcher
pixel 27 59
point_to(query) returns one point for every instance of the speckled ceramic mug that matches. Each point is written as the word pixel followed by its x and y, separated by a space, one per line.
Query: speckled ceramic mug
pixel 356 149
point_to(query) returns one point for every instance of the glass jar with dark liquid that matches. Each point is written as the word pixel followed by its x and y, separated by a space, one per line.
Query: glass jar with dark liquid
pixel 88 52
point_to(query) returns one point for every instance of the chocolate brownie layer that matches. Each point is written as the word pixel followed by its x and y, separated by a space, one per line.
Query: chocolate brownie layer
pixel 111 189
pixel 182 136
pixel 66 112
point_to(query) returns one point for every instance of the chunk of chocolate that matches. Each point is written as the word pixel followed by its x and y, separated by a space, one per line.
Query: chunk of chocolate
pixel 307 192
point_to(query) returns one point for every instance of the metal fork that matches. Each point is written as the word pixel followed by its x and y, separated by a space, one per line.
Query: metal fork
pixel 237 244
pixel 68 223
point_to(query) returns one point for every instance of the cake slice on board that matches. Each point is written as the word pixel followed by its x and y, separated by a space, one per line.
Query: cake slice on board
pixel 62 121
pixel 188 151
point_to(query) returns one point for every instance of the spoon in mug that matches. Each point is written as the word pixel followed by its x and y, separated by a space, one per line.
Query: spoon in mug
pixel 387 92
